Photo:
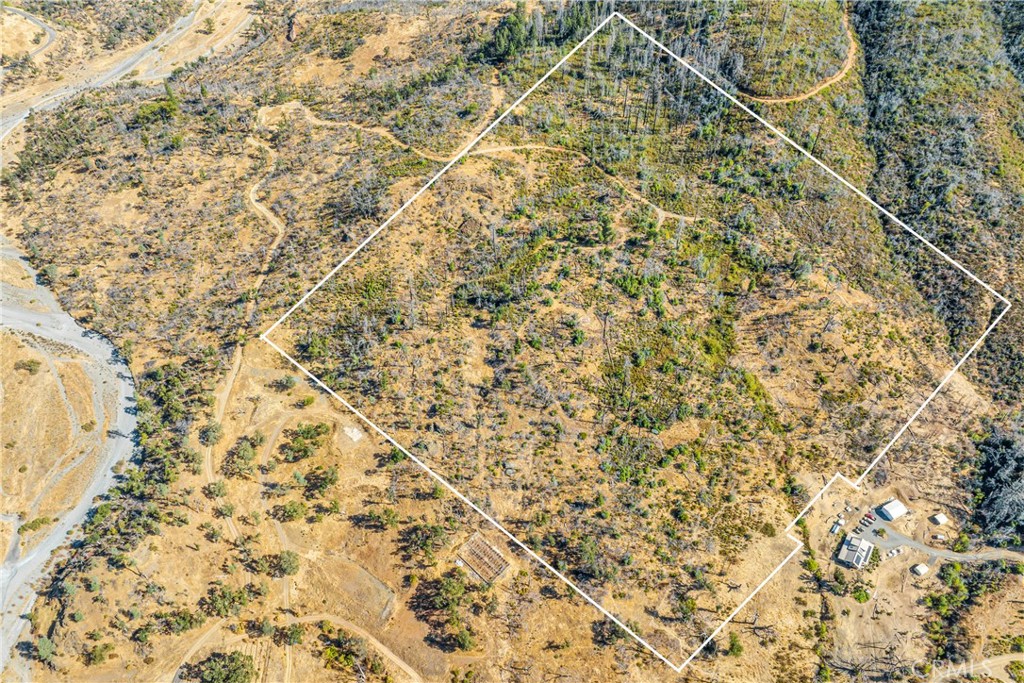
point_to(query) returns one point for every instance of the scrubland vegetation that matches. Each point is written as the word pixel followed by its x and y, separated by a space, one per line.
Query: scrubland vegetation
pixel 581 305
pixel 633 343
pixel 947 167
pixel 962 587
pixel 114 23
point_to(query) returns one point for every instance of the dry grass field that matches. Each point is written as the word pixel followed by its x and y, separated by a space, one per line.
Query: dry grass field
pixel 632 325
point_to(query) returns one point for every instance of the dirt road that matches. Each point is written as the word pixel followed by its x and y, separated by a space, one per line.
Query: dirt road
pixel 497 96
pixel 223 397
pixel 153 59
pixel 661 213
pixel 993 668
pixel 51 34
pixel 895 539
pixel 365 635
pixel 109 373
pixel 848 64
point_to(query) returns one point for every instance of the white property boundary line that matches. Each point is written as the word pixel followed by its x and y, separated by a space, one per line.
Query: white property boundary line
pixel 511 537
pixel 443 482
pixel 455 160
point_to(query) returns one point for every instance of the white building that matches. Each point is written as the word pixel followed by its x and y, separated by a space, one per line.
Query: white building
pixel 940 519
pixel 856 552
pixel 893 510
pixel 919 569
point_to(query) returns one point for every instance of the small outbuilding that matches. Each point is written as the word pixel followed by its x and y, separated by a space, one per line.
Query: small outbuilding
pixel 919 569
pixel 940 519
pixel 893 510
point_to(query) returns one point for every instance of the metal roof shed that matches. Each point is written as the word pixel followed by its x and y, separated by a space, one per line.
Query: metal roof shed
pixel 893 510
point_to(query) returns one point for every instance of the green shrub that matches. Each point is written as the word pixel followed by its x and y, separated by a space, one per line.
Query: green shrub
pixel 163 110
pixel 510 37
pixel 235 667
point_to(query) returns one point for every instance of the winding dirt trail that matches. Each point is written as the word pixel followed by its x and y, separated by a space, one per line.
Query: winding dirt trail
pixel 366 635
pixel 848 64
pixel 50 32
pixel 223 397
pixel 662 214
pixel 269 215
pixel 497 95
pixel 374 130
pixel 211 630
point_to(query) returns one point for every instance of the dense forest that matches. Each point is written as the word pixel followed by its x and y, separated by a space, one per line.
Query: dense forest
pixel 1000 507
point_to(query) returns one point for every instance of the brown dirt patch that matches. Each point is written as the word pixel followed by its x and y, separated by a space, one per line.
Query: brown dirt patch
pixel 20 35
